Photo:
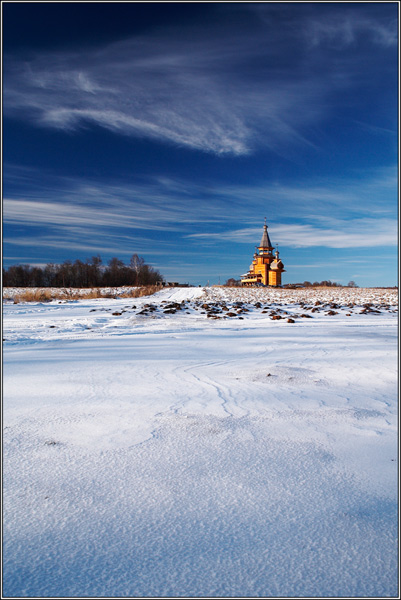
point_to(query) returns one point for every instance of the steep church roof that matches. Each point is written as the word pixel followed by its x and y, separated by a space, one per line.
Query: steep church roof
pixel 265 242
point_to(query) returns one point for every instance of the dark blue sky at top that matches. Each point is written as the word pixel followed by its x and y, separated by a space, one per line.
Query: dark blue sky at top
pixel 172 129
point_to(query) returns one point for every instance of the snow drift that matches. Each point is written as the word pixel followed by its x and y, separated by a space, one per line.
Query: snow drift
pixel 159 447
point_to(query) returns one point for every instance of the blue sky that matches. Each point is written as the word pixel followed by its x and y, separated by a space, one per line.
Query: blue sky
pixel 171 130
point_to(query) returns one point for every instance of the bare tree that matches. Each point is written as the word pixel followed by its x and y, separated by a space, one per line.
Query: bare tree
pixel 83 274
pixel 137 263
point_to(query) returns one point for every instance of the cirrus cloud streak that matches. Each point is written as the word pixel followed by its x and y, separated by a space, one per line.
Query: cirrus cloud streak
pixel 195 90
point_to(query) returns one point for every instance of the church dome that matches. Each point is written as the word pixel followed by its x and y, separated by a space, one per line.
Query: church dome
pixel 276 265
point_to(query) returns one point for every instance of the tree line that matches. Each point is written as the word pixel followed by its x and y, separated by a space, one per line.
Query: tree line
pixel 88 274
pixel 326 283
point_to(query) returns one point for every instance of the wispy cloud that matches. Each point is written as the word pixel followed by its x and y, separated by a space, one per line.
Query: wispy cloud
pixel 114 217
pixel 189 88
pixel 316 198
pixel 346 29
pixel 107 206
pixel 166 204
pixel 349 234
pixel 166 217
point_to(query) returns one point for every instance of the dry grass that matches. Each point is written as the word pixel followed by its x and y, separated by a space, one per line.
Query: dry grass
pixel 49 294
pixel 33 296
pixel 140 292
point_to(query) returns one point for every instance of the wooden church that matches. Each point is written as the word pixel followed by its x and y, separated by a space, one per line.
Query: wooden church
pixel 265 269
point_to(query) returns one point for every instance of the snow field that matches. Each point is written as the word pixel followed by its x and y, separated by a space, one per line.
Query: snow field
pixel 156 454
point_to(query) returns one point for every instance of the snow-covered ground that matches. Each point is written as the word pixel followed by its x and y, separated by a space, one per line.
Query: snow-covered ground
pixel 200 446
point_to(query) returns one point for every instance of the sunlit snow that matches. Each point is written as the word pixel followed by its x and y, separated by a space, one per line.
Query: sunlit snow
pixel 200 447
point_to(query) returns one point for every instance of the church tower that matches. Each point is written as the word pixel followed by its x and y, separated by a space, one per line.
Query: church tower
pixel 265 269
